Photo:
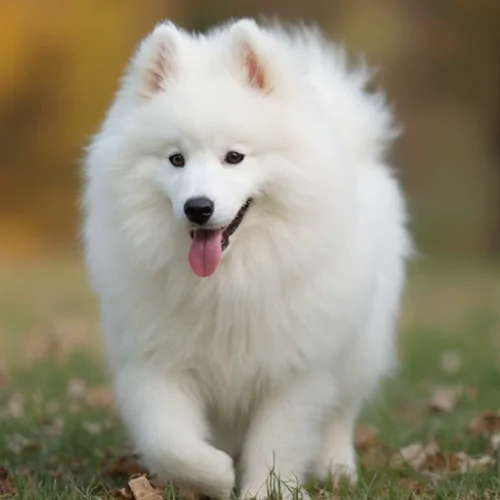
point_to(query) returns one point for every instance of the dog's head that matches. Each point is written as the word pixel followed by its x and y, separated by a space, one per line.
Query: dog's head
pixel 204 138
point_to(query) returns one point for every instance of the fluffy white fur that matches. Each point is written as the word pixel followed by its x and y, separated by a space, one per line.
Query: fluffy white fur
pixel 266 363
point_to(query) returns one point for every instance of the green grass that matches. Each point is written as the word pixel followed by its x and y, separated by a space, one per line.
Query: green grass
pixel 55 444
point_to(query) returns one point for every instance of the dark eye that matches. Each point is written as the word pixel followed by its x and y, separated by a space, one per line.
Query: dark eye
pixel 233 157
pixel 177 160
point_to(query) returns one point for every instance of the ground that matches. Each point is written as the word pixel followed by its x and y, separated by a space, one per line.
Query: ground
pixel 426 435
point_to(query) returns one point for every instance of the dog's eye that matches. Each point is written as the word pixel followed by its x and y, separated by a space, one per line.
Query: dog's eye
pixel 177 160
pixel 233 157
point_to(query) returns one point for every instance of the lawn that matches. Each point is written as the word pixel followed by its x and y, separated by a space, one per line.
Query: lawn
pixel 61 439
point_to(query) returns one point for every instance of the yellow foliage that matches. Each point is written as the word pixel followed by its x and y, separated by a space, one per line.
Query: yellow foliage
pixel 59 65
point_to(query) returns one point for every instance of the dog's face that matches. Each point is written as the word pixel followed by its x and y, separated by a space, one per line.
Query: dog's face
pixel 208 136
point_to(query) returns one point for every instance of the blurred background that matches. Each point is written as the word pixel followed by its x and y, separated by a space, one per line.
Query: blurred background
pixel 439 62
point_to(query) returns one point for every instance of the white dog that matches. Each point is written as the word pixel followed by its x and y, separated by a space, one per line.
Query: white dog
pixel 247 241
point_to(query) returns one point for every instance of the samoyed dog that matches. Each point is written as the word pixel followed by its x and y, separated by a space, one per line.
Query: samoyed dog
pixel 247 241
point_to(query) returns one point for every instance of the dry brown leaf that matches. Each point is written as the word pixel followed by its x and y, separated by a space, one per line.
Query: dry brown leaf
pixel 461 462
pixel 450 362
pixel 430 459
pixel 122 494
pixel 449 462
pixel 143 490
pixel 415 455
pixel 189 494
pixel 124 466
pixel 100 397
pixel 365 437
pixel 443 399
pixel 157 483
pixel 485 423
pixel 480 464
pixel 6 483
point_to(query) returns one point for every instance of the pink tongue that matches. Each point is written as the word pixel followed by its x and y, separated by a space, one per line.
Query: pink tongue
pixel 205 252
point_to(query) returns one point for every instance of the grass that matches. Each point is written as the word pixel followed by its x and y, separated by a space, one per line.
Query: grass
pixel 58 431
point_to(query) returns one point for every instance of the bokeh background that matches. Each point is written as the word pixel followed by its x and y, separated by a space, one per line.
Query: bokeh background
pixel 439 63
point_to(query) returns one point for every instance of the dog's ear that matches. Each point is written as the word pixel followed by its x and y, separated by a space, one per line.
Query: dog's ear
pixel 247 45
pixel 155 62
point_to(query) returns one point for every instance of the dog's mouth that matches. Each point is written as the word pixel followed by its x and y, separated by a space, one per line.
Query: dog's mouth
pixel 209 243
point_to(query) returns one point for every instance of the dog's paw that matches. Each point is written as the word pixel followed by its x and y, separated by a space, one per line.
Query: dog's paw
pixel 339 472
pixel 201 467
pixel 212 473
pixel 337 465
pixel 221 478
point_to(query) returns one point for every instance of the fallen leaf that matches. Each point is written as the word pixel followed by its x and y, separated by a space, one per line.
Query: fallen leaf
pixel 431 459
pixel 365 437
pixel 485 423
pixel 189 494
pixel 450 362
pixel 450 462
pixel 6 483
pixel 142 489
pixel 122 493
pixel 157 483
pixel 461 462
pixel 480 464
pixel 124 466
pixel 415 455
pixel 443 399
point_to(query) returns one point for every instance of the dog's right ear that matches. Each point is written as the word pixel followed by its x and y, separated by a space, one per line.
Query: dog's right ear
pixel 155 61
pixel 246 39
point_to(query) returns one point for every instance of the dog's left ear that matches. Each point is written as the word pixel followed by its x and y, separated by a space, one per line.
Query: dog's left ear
pixel 247 46
pixel 156 61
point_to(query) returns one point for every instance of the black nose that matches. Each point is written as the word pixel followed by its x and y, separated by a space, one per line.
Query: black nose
pixel 199 210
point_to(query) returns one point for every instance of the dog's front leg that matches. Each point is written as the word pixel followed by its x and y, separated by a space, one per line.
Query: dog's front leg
pixel 165 418
pixel 284 438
